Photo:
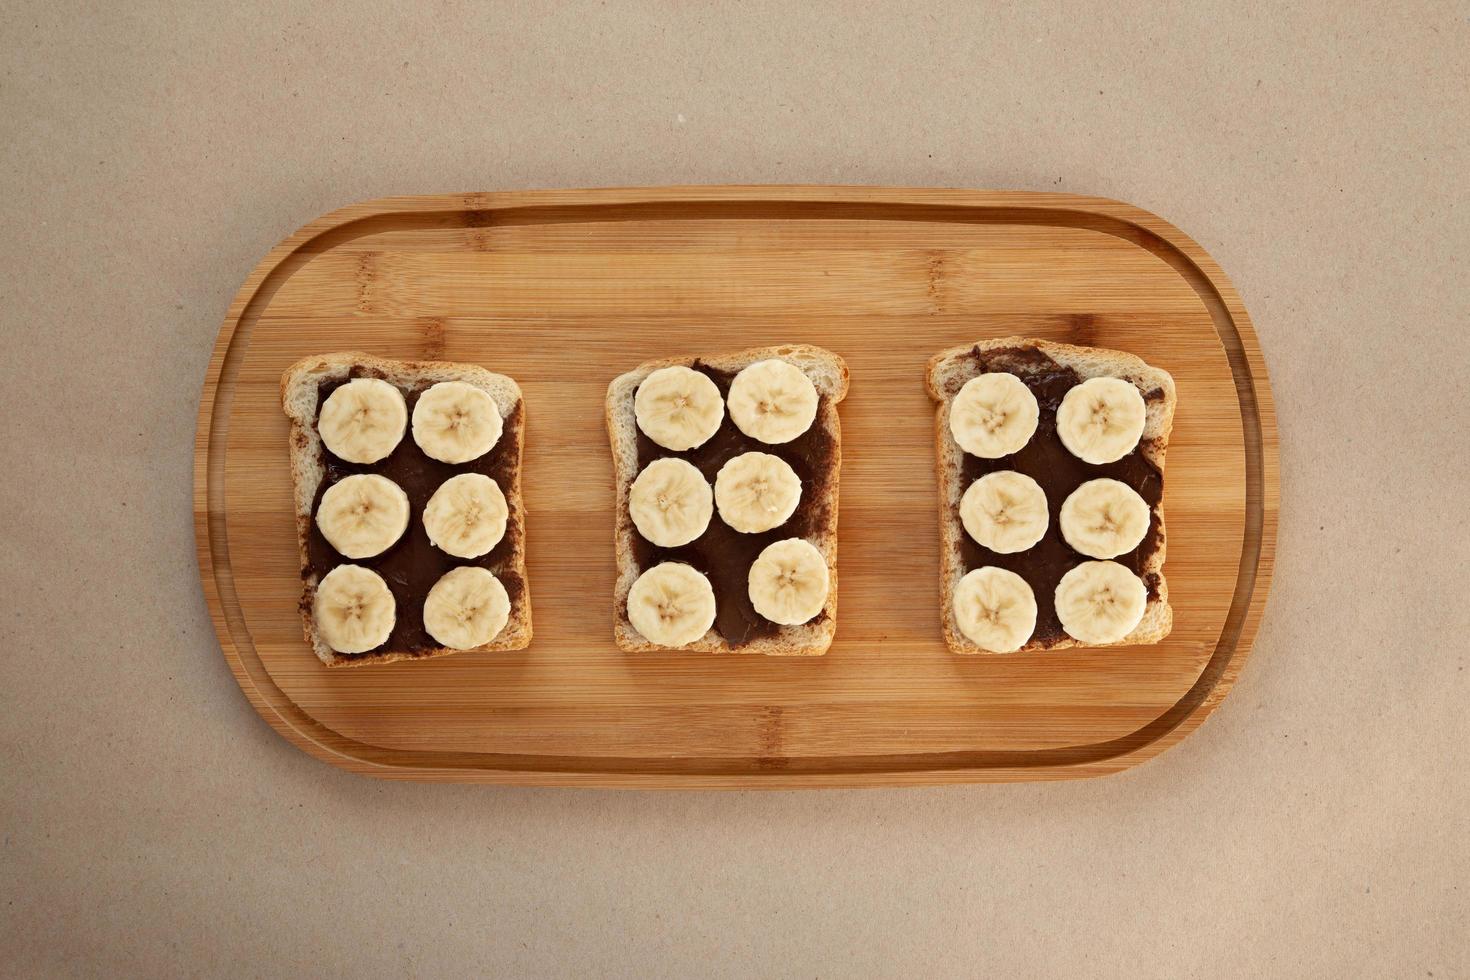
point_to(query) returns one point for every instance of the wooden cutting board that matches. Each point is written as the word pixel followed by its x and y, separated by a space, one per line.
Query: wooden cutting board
pixel 563 290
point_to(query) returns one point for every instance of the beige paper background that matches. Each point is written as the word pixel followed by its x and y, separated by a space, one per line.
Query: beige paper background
pixel 151 824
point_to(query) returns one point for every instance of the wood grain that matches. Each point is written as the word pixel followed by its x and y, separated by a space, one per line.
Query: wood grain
pixel 564 290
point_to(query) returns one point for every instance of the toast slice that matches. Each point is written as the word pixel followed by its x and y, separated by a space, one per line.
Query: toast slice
pixel 816 456
pixel 1049 369
pixel 412 565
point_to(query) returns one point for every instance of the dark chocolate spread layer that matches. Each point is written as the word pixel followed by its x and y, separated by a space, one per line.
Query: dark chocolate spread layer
pixel 1051 465
pixel 722 553
pixel 412 565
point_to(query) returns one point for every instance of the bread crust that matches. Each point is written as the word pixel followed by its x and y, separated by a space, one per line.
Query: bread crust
pixel 948 370
pixel 299 401
pixel 829 374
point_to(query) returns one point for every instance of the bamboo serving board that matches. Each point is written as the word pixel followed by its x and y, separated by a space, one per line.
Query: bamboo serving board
pixel 563 290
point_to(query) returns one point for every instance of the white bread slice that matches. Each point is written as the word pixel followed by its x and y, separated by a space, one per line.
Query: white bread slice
pixel 828 373
pixel 299 386
pixel 947 373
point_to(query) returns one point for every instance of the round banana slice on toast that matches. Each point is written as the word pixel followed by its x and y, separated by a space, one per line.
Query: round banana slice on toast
pixel 757 492
pixel 994 415
pixel 1005 511
pixel 671 604
pixel 362 515
pixel 455 422
pixel 678 408
pixel 1100 601
pixel 353 609
pixel 773 401
pixel 788 583
pixel 466 608
pixel 995 608
pixel 670 502
pixel 1101 420
pixel 466 516
pixel 1104 519
pixel 363 420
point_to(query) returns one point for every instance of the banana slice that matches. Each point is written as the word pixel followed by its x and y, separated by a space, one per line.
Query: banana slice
pixel 1104 519
pixel 353 608
pixel 670 502
pixel 788 582
pixel 1005 511
pixel 363 420
pixel 466 516
pixel 994 415
pixel 756 492
pixel 1100 601
pixel 678 408
pixel 1101 420
pixel 456 422
pixel 773 401
pixel 466 608
pixel 362 515
pixel 671 604
pixel 995 608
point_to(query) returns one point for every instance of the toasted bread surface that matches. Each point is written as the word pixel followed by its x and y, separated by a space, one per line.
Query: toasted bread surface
pixel 300 386
pixel 947 373
pixel 829 375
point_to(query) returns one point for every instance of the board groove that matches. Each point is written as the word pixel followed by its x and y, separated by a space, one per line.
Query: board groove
pixel 947 287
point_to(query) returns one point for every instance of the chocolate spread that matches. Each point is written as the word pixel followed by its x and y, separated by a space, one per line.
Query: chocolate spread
pixel 1050 464
pixel 412 565
pixel 723 554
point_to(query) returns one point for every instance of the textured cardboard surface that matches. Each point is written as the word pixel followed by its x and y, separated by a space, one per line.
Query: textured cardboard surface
pixel 151 824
